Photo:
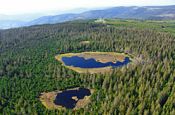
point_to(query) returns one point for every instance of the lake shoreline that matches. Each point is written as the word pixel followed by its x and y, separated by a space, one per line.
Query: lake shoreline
pixel 88 55
pixel 48 99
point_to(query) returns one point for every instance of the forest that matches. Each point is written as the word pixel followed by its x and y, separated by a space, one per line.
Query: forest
pixel 28 67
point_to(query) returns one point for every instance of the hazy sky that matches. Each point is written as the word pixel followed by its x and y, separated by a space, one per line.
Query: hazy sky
pixel 12 7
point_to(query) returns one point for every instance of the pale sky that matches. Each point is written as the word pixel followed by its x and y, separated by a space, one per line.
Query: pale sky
pixel 13 7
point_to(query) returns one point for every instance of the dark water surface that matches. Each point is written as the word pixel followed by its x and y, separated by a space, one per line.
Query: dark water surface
pixel 81 62
pixel 65 98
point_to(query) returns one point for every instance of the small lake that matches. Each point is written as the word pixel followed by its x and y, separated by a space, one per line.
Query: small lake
pixel 81 62
pixel 65 98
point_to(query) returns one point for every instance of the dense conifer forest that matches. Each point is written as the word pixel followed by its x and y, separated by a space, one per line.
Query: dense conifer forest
pixel 28 67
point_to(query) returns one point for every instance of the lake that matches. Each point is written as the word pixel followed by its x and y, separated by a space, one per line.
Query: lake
pixel 65 97
pixel 81 62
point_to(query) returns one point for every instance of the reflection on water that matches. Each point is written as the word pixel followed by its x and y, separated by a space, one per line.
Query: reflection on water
pixel 81 62
pixel 69 98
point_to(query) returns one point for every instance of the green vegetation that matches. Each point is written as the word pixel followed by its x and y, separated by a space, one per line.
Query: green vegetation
pixel 162 26
pixel 28 67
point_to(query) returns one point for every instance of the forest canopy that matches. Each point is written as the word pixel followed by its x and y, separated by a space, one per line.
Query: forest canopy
pixel 28 67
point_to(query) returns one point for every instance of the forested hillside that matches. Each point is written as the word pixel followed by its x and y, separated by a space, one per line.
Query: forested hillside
pixel 28 68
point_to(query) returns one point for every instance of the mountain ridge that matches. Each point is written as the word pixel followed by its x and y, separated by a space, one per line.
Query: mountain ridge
pixel 122 12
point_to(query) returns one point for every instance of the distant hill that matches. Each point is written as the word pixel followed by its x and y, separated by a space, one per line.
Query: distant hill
pixel 4 24
pixel 54 19
pixel 134 12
